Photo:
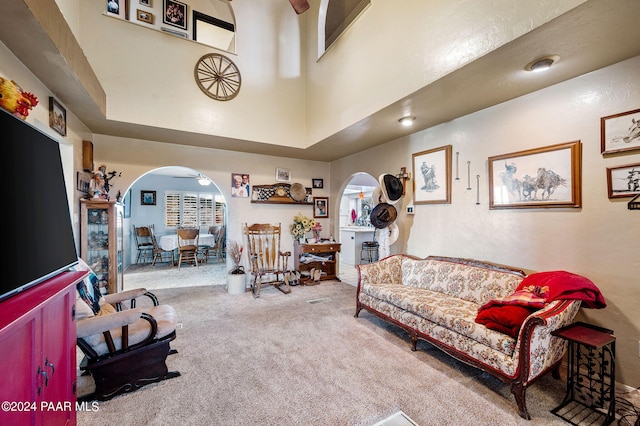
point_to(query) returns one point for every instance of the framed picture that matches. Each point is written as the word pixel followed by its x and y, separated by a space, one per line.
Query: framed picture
pixel 283 175
pixel 620 132
pixel 317 183
pixel 83 182
pixel 432 176
pixel 175 13
pixel 537 178
pixel 145 3
pixel 144 16
pixel 117 8
pixel 623 181
pixel 57 117
pixel 240 186
pixel 320 207
pixel 148 198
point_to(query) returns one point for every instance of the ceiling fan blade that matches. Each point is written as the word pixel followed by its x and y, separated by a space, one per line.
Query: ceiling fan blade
pixel 299 5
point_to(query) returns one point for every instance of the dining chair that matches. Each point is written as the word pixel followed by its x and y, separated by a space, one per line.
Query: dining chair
pixel 144 243
pixel 188 245
pixel 158 251
pixel 217 249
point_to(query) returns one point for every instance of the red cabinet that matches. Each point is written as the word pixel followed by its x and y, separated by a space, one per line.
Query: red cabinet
pixel 38 355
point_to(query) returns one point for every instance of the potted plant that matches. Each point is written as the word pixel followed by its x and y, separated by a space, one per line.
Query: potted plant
pixel 236 279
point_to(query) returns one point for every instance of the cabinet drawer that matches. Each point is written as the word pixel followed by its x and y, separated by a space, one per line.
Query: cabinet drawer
pixel 322 248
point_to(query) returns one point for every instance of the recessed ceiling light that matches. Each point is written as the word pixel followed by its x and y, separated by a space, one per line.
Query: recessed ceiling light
pixel 407 121
pixel 542 64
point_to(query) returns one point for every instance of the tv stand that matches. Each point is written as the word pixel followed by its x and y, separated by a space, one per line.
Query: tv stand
pixel 38 360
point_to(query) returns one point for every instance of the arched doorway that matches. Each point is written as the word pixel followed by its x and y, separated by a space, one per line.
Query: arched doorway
pixel 355 227
pixel 181 196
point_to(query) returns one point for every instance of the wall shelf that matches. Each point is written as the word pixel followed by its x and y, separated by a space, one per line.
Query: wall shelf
pixel 278 193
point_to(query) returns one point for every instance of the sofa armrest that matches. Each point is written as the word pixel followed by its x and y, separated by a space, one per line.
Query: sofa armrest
pixel 538 350
pixel 387 270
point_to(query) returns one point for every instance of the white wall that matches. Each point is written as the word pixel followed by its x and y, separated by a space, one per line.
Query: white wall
pixel 599 240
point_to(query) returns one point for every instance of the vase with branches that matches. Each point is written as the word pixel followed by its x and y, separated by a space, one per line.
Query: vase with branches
pixel 234 250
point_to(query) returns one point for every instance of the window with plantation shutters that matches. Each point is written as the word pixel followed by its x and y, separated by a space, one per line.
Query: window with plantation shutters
pixel 200 210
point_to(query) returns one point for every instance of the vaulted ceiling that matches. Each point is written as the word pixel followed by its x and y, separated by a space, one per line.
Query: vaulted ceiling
pixel 591 36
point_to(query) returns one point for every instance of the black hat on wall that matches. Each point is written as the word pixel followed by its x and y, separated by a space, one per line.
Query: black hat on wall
pixel 383 215
pixel 391 187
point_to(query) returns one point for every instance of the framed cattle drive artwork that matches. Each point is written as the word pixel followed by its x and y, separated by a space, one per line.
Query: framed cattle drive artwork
pixel 537 178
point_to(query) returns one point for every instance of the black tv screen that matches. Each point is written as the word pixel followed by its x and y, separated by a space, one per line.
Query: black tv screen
pixel 37 233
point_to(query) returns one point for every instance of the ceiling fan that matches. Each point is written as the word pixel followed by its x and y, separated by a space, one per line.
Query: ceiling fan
pixel 299 5
pixel 202 179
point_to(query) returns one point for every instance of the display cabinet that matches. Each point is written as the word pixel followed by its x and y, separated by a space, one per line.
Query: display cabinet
pixel 101 243
pixel 321 256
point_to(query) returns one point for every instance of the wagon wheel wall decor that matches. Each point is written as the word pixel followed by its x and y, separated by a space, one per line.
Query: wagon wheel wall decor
pixel 217 76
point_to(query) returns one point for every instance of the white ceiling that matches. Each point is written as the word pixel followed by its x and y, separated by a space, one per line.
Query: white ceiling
pixel 594 35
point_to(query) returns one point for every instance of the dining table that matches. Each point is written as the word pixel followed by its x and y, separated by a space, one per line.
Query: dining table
pixel 170 241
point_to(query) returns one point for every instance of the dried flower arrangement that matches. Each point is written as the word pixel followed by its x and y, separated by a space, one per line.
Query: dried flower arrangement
pixel 234 250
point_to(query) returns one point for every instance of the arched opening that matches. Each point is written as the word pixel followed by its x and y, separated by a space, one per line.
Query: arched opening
pixel 355 228
pixel 175 196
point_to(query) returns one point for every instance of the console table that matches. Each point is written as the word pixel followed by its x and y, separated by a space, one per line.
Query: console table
pixel 321 256
pixel 591 381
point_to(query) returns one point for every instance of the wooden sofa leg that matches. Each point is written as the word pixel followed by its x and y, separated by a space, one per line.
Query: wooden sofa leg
pixel 519 391
pixel 414 341
pixel 358 309
pixel 555 373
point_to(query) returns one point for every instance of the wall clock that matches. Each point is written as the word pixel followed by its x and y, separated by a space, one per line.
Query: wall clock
pixel 217 76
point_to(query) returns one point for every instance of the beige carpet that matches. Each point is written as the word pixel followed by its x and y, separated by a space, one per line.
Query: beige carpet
pixel 280 360
pixel 163 275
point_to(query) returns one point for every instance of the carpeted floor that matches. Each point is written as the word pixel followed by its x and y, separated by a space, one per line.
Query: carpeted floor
pixel 281 360
pixel 163 275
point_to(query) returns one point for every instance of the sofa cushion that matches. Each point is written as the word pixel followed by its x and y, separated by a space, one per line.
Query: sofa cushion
pixel 475 284
pixel 449 312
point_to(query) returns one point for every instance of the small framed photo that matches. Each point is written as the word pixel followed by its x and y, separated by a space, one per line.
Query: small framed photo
pixel 283 175
pixel 620 132
pixel 537 178
pixel 623 181
pixel 144 16
pixel 320 207
pixel 57 117
pixel 148 198
pixel 432 176
pixel 117 8
pixel 83 182
pixel 175 14
pixel 240 186
pixel 145 3
pixel 317 183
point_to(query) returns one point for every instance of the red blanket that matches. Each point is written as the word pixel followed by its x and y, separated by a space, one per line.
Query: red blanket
pixel 534 292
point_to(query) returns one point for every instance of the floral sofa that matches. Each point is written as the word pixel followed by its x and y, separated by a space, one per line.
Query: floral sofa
pixel 438 299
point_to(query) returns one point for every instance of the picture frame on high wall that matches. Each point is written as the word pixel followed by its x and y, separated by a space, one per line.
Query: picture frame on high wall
pixel 432 176
pixel 117 8
pixel 623 181
pixel 543 177
pixel 283 175
pixel 317 183
pixel 57 117
pixel 145 2
pixel 175 14
pixel 144 16
pixel 320 207
pixel 147 198
pixel 620 132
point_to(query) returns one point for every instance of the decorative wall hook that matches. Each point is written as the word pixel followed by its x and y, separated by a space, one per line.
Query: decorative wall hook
pixel 405 176
pixel 457 171
pixel 469 175
pixel 477 189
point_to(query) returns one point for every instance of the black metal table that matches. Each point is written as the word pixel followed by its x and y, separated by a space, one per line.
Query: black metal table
pixel 590 397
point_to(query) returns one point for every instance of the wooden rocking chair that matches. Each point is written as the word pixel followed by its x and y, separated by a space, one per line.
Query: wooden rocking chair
pixel 268 263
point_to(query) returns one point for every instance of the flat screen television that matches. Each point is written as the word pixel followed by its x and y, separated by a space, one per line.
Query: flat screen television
pixel 37 230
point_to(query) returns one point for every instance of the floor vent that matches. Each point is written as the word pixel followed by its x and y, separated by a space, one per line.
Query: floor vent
pixel 321 300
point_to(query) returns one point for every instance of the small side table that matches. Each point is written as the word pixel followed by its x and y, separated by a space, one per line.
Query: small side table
pixel 590 396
